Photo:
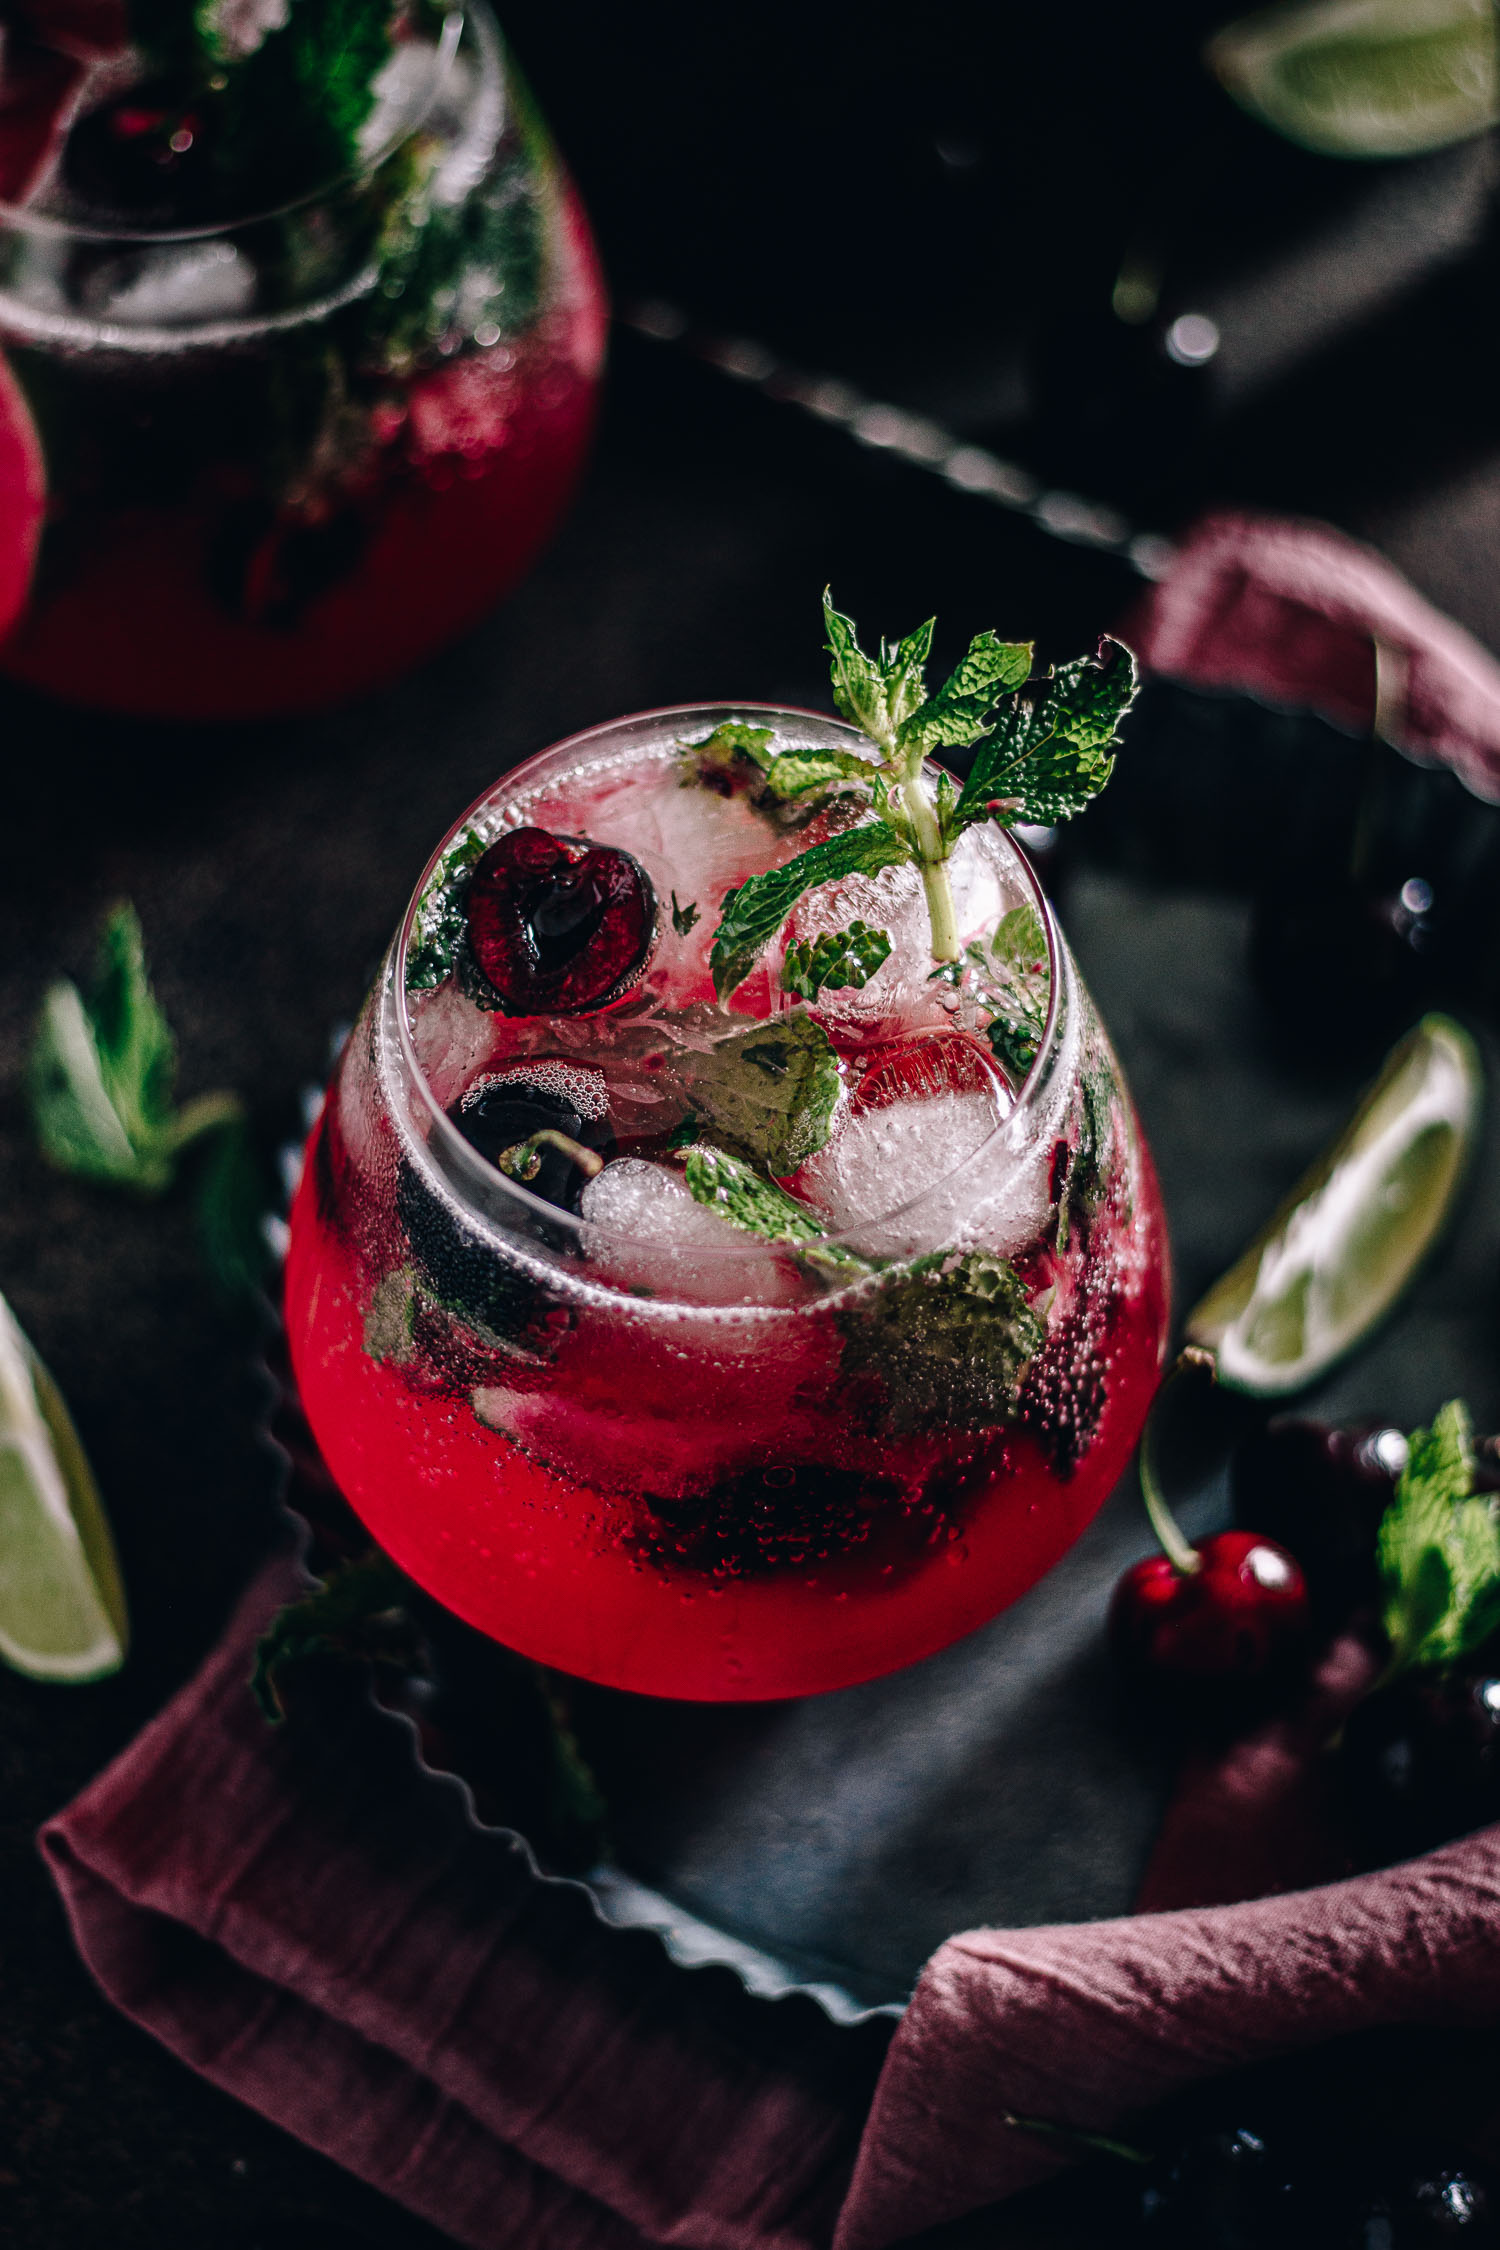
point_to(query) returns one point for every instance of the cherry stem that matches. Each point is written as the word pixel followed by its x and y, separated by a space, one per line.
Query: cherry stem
pixel 1072 2136
pixel 524 1161
pixel 1175 1545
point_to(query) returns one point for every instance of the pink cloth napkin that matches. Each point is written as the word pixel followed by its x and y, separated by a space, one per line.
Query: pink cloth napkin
pixel 310 1921
pixel 1298 614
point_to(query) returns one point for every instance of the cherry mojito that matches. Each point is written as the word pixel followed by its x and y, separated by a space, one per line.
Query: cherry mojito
pixel 727 1265
pixel 300 335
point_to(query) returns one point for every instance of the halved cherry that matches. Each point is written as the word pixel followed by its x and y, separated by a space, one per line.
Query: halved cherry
pixel 557 925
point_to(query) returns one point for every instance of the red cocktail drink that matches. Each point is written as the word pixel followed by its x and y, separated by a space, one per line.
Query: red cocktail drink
pixel 721 1350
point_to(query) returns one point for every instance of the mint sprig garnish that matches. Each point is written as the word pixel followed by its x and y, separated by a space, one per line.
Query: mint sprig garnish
pixel 1044 748
pixel 102 1084
pixel 1438 1551
pixel 948 1340
pixel 769 1091
pixel 838 960
pixel 1049 751
pixel 753 914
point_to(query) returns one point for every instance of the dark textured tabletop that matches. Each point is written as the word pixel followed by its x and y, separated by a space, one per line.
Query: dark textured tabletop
pixel 953 260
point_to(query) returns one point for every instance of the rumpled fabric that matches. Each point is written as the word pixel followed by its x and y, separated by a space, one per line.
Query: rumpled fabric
pixel 309 1919
pixel 1300 615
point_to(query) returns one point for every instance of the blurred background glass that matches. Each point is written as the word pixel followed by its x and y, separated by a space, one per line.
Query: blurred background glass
pixel 304 348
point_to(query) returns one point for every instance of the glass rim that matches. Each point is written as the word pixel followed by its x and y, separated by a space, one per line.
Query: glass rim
pixel 1026 1097
pixel 20 218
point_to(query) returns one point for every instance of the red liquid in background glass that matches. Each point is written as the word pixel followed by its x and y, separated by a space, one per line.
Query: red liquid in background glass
pixel 566 1574
pixel 472 467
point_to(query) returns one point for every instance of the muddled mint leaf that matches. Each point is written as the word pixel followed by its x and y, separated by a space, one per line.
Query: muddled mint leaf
pixel 103 1070
pixel 876 693
pixel 769 1091
pixel 795 772
pixel 1049 752
pixel 963 706
pixel 838 959
pixel 734 748
pixel 293 107
pixel 747 1200
pixel 438 930
pixel 753 914
pixel 1015 983
pixel 390 1325
pixel 946 1341
pixel 1085 1177
pixel 684 918
pixel 360 1611
pixel 756 1205
pixel 485 252
pixel 1438 1551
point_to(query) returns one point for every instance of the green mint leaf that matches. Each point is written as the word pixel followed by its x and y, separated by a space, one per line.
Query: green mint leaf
pixel 770 1091
pixel 877 694
pixel 731 748
pixel 1086 1169
pixel 962 707
pixel 361 1611
pixel 839 959
pixel 858 687
pixel 103 1069
pixel 795 772
pixel 293 108
pixel 684 917
pixel 1049 753
pixel 390 1325
pixel 946 1341
pixel 753 1204
pixel 1015 983
pixel 758 1206
pixel 438 930
pixel 753 914
pixel 1438 1551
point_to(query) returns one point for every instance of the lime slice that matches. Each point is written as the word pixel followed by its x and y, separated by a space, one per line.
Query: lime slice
pixel 1344 1245
pixel 1365 77
pixel 62 1607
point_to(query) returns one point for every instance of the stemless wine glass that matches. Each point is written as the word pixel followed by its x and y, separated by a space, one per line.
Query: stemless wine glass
pixel 648 1449
pixel 261 462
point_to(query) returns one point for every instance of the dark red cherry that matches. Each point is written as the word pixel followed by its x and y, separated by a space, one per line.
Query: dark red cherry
pixel 1420 1758
pixel 1229 2189
pixel 146 151
pixel 499 1112
pixel 558 925
pixel 1321 1491
pixel 1239 1618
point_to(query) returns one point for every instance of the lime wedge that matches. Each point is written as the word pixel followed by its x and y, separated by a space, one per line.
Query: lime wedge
pixel 62 1607
pixel 1344 1245
pixel 1365 77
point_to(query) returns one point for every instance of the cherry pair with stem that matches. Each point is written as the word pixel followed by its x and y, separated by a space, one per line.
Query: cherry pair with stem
pixel 1229 1611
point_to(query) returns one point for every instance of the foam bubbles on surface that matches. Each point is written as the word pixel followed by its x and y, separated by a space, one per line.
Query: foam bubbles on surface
pixel 582 1088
